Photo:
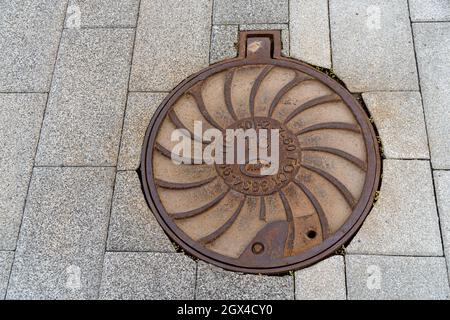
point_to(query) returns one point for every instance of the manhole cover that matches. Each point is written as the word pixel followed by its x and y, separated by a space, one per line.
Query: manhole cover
pixel 304 206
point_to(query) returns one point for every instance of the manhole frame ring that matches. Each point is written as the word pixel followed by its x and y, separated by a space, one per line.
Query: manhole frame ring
pixel 313 255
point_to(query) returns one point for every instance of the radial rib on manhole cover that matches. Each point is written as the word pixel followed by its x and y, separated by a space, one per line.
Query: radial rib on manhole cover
pixel 231 214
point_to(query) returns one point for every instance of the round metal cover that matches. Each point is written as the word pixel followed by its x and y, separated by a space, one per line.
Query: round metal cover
pixel 233 217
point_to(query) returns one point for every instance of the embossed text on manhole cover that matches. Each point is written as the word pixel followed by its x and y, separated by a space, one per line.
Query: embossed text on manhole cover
pixel 298 162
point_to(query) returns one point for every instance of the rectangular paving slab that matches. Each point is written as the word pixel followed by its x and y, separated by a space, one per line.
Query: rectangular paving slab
pixel 250 11
pixel 29 36
pixel 84 116
pixel 133 226
pixel 140 109
pixel 383 277
pixel 404 220
pixel 322 281
pixel 310 31
pixel 216 283
pixel 430 10
pixel 21 118
pixel 146 275
pixel 6 259
pixel 62 239
pixel 400 122
pixel 102 13
pixel 372 45
pixel 172 42
pixel 442 184
pixel 432 41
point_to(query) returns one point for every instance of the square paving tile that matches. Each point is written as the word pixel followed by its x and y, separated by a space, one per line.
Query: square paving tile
pixel 84 116
pixel 140 109
pixel 216 283
pixel 383 277
pixel 63 234
pixel 249 11
pixel 430 10
pixel 172 42
pixel 224 39
pixel 404 220
pixel 400 122
pixel 372 45
pixel 21 118
pixel 442 184
pixel 322 281
pixel 6 259
pixel 146 275
pixel 29 35
pixel 133 226
pixel 310 31
pixel 432 42
pixel 102 13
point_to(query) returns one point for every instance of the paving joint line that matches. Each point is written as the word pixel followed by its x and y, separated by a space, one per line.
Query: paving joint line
pixel 37 147
pixel 329 35
pixel 428 141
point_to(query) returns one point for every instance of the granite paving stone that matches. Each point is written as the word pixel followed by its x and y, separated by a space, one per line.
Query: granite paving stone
pixel 140 109
pixel 216 283
pixel 29 35
pixel 172 42
pixel 279 26
pixel 6 259
pixel 102 13
pixel 404 220
pixel 442 185
pixel 21 118
pixel 224 39
pixel 250 11
pixel 310 31
pixel 147 275
pixel 430 10
pixel 322 281
pixel 432 41
pixel 400 122
pixel 384 277
pixel 62 239
pixel 83 122
pixel 133 226
pixel 372 45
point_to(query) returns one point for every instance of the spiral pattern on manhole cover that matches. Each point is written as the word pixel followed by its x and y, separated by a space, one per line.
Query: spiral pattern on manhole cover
pixel 229 214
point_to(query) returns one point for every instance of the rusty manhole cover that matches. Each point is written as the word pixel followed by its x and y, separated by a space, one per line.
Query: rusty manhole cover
pixel 234 216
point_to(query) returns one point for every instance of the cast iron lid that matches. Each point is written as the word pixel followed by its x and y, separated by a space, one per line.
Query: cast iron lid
pixel 229 214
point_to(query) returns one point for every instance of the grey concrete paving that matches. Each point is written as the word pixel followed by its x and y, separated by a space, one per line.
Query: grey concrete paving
pixel 249 11
pixel 404 220
pixel 216 283
pixel 62 239
pixel 29 38
pixel 430 10
pixel 442 185
pixel 6 260
pixel 432 45
pixel 140 109
pixel 382 277
pixel 310 31
pixel 102 13
pixel 21 118
pixel 133 226
pixel 400 123
pixel 372 45
pixel 79 220
pixel 129 275
pixel 322 281
pixel 164 25
pixel 83 122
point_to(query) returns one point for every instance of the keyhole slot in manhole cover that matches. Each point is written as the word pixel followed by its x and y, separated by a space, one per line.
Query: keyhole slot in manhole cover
pixel 302 186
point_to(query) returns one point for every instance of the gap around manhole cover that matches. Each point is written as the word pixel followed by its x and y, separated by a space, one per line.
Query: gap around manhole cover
pixel 230 214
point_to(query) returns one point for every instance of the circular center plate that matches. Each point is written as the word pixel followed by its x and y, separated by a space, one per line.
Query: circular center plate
pixel 230 213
